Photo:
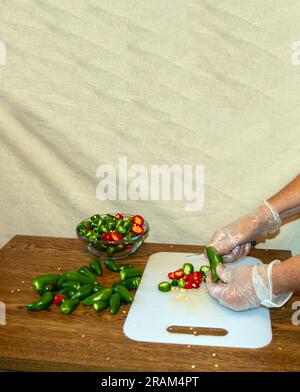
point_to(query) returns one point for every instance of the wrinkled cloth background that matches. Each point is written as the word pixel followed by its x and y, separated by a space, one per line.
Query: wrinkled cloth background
pixel 158 81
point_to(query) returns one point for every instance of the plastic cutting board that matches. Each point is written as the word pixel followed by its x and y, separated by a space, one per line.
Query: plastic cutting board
pixel 153 312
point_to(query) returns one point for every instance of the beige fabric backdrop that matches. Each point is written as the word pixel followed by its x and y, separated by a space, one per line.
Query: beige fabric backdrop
pixel 158 81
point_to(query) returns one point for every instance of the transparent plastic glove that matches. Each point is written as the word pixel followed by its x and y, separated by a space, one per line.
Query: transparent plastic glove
pixel 233 241
pixel 246 287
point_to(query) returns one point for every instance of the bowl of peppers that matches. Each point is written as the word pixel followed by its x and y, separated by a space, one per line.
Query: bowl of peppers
pixel 112 235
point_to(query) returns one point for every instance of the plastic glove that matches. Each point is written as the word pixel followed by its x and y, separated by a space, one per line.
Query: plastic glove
pixel 233 241
pixel 246 287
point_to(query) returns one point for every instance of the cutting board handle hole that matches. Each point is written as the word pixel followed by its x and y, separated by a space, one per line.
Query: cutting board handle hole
pixel 197 331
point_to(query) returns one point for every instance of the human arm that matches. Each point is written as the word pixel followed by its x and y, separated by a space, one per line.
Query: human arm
pixel 233 240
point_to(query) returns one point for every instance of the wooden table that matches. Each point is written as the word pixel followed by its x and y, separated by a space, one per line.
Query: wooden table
pixel 85 341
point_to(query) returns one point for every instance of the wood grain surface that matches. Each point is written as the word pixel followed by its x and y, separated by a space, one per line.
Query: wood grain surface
pixel 86 341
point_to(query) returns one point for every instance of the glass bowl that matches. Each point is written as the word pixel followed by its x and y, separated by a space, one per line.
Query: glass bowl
pixel 112 249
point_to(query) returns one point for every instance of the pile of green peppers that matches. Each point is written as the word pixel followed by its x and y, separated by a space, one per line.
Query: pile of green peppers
pixel 82 286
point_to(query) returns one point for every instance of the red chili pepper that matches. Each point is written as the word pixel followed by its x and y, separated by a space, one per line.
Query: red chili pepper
pixel 178 274
pixel 128 246
pixel 89 228
pixel 57 300
pixel 195 277
pixel 138 220
pixel 105 237
pixel 188 285
pixel 186 278
pixel 137 230
pixel 191 285
pixel 119 216
pixel 171 275
pixel 114 236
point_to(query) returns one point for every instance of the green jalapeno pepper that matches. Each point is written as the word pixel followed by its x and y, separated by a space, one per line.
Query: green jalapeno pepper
pixel 121 229
pixel 69 305
pixel 174 283
pixel 181 283
pixel 102 295
pixel 42 281
pixel 42 303
pixel 95 217
pixel 49 287
pixel 130 273
pixel 75 276
pixel 164 286
pixel 111 265
pixel 125 266
pixel 83 292
pixel 214 261
pixel 70 285
pixel 188 268
pixel 68 293
pixel 204 269
pixel 130 284
pixel 95 267
pixel 84 270
pixel 111 224
pixel 100 305
pixel 123 292
pixel 113 249
pixel 103 229
pixel 99 287
pixel 127 224
pixel 114 302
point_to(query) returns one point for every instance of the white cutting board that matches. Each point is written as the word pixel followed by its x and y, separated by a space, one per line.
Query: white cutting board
pixel 152 311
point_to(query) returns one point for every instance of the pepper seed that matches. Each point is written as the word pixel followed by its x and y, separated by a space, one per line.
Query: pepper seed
pixel 216 365
pixel 83 336
pixel 193 366
pixel 214 354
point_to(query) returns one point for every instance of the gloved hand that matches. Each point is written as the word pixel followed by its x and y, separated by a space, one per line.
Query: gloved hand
pixel 246 287
pixel 233 241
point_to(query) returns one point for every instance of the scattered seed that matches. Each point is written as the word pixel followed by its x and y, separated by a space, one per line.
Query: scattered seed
pixel 124 311
pixel 171 246
pixel 195 332
pixel 12 291
pixel 214 354
pixel 191 328
pixel 188 346
pixel 216 365
pixel 59 269
pixel 18 289
pixel 108 358
pixel 23 281
pixel 193 366
pixel 83 336
pixel 279 348
pixel 170 329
